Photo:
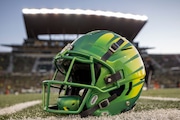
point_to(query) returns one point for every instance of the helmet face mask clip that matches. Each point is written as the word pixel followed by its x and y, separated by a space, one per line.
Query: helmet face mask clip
pixel 97 74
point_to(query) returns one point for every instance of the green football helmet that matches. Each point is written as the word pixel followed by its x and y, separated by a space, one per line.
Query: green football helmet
pixel 100 73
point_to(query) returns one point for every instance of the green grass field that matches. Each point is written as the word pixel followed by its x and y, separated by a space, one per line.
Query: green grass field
pixel 36 111
pixel 172 93
pixel 8 100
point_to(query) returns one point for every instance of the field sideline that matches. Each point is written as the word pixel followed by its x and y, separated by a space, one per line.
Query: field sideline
pixel 145 109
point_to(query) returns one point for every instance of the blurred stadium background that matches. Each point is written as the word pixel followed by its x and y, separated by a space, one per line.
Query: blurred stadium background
pixel 24 69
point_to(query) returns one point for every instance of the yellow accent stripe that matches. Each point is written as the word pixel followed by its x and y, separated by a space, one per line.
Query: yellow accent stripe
pixel 107 36
pixel 65 108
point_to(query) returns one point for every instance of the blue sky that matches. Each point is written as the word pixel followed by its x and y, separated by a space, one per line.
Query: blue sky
pixel 162 31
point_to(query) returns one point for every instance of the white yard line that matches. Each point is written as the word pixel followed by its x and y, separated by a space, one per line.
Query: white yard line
pixel 159 98
pixel 159 114
pixel 18 107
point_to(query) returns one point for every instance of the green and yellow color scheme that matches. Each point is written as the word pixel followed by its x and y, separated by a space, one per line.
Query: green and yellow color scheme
pixel 100 73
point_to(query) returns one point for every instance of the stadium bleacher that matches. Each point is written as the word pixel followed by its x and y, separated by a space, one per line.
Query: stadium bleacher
pixel 167 60
pixel 20 69
pixel 24 79
pixel 23 64
pixel 4 61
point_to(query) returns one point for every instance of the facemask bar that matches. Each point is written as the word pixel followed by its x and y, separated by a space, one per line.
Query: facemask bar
pixel 63 86
pixel 47 85
pixel 51 99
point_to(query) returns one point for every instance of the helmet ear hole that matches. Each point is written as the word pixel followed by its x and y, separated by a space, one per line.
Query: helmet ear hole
pixel 118 91
pixel 97 68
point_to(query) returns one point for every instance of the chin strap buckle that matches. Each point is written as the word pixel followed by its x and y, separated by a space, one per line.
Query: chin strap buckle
pixel 104 103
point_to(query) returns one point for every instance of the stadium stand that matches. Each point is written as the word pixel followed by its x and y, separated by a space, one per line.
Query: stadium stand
pixel 23 64
pixel 24 80
pixel 167 69
pixel 4 61
pixel 167 61
pixel 28 64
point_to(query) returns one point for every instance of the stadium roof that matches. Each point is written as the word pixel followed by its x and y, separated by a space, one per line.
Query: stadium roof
pixel 77 21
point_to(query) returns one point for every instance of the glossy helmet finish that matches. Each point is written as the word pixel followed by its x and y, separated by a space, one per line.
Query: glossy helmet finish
pixel 100 73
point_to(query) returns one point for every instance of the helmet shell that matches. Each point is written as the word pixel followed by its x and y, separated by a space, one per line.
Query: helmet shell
pixel 126 59
pixel 116 69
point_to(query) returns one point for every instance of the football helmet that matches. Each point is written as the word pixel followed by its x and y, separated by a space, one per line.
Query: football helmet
pixel 100 73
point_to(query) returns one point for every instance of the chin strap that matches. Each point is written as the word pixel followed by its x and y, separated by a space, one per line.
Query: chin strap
pixel 104 103
pixel 113 78
pixel 112 49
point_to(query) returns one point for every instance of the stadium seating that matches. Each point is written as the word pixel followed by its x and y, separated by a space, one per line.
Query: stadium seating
pixel 22 77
